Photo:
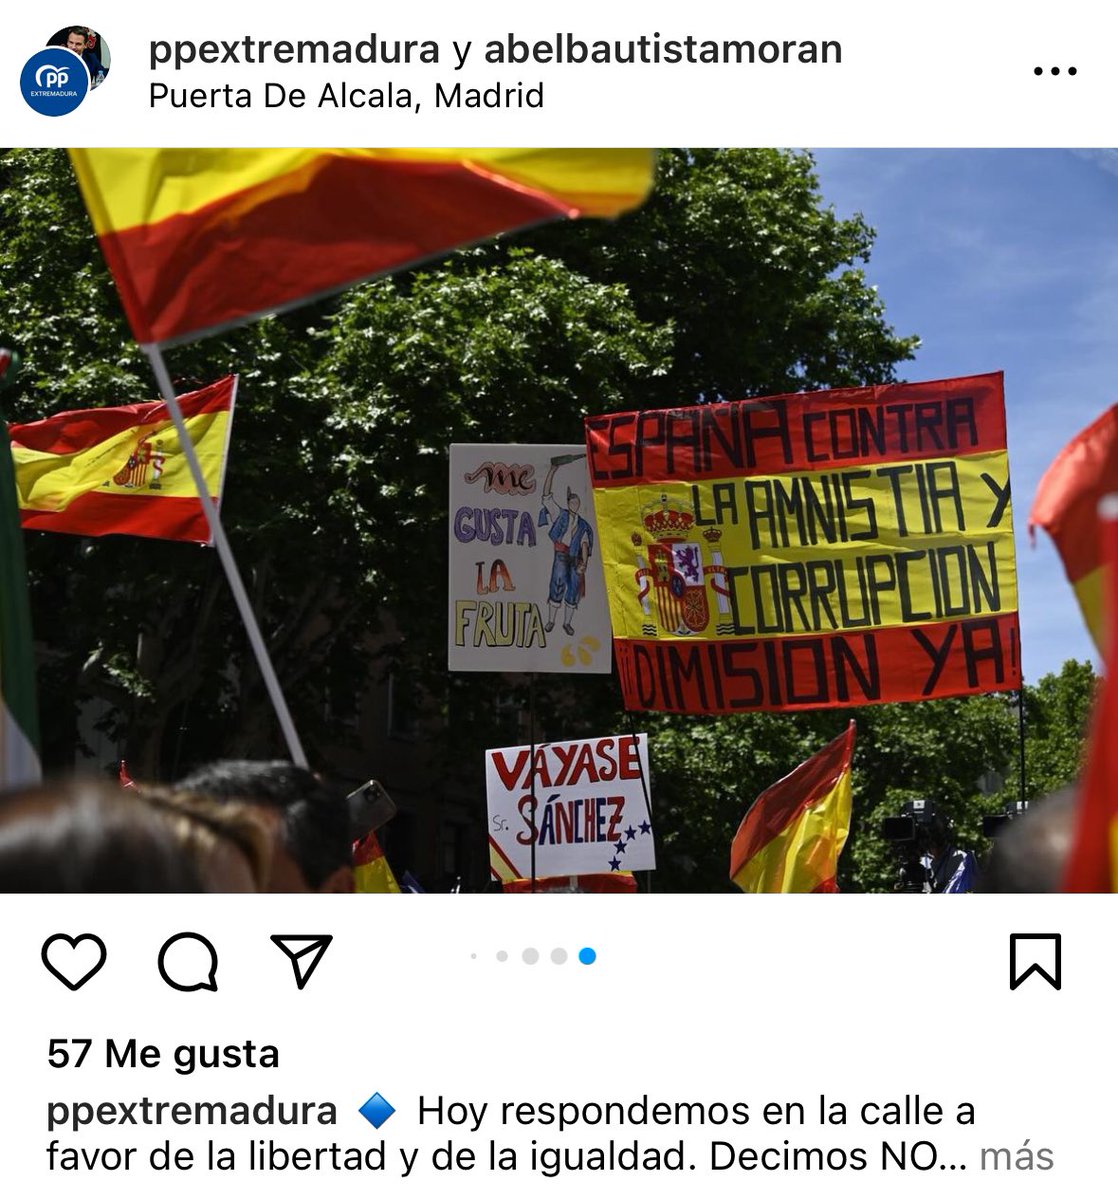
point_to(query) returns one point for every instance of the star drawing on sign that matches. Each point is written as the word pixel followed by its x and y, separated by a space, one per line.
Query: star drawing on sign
pixel 619 846
pixel 630 833
pixel 615 864
pixel 645 827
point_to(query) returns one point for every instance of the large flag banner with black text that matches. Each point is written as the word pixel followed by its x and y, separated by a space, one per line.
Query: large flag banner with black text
pixel 812 550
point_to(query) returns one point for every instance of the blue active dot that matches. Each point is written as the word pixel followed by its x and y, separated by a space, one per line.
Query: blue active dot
pixel 586 956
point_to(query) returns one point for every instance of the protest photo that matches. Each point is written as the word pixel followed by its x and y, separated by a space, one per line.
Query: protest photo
pixel 543 520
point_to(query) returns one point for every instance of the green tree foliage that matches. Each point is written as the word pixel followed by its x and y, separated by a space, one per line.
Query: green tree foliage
pixel 1057 715
pixel 962 754
pixel 761 281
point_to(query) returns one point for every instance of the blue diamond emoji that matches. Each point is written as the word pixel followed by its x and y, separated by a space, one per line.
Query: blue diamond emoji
pixel 376 1110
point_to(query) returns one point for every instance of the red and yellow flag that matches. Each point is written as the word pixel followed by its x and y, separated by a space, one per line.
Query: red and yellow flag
pixel 1067 505
pixel 1093 862
pixel 199 240
pixel 371 872
pixel 791 839
pixel 816 550
pixel 122 470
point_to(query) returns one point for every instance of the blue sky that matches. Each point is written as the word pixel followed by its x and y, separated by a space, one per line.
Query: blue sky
pixel 1003 260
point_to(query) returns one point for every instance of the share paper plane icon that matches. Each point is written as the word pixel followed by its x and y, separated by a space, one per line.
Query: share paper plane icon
pixel 305 950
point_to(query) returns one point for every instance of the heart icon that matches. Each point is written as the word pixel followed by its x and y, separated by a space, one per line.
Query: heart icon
pixel 67 959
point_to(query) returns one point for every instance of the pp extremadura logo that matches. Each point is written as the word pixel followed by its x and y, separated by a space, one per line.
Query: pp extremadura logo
pixel 55 81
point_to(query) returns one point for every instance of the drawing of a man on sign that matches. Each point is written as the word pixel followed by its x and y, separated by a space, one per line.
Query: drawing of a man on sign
pixel 572 544
pixel 526 590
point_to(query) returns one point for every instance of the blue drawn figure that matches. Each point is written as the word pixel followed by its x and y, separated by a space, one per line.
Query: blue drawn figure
pixel 572 543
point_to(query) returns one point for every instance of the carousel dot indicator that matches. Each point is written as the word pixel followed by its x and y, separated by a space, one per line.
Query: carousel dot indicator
pixel 502 956
pixel 531 956
pixel 559 956
pixel 587 955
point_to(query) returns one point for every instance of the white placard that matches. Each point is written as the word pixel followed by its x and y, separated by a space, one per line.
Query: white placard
pixel 591 808
pixel 526 585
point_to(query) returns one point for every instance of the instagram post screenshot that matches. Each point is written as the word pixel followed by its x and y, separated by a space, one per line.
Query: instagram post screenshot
pixel 569 653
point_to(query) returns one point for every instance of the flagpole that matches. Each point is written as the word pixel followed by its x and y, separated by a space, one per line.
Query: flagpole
pixel 644 782
pixel 1021 737
pixel 532 761
pixel 225 553
pixel 1024 798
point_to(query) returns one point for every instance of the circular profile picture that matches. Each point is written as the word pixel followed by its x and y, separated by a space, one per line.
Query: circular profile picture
pixel 54 81
pixel 89 46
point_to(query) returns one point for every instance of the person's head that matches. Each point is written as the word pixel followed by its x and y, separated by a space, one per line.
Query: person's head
pixel 76 38
pixel 1030 853
pixel 85 835
pixel 309 822
pixel 228 843
pixel 573 501
pixel 938 833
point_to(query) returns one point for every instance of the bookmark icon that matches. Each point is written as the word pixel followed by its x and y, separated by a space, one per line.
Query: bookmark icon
pixel 1038 954
pixel 305 951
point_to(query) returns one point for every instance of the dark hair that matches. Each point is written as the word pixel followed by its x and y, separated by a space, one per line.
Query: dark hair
pixel 204 827
pixel 83 835
pixel 315 817
pixel 1031 852
pixel 78 29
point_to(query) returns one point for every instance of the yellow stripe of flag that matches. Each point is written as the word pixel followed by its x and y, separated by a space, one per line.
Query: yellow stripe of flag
pixel 1089 592
pixel 48 482
pixel 804 544
pixel 129 187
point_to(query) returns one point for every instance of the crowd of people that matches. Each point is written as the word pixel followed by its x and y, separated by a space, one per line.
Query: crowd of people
pixel 233 826
pixel 247 826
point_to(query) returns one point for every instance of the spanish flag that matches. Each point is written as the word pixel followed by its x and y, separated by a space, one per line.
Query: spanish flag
pixel 371 872
pixel 791 839
pixel 122 470
pixel 1067 504
pixel 19 724
pixel 199 240
pixel 1093 862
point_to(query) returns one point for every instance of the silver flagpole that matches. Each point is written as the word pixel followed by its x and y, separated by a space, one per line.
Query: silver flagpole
pixel 225 553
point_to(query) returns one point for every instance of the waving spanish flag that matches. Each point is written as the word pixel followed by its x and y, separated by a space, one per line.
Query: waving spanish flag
pixel 1067 505
pixel 371 872
pixel 199 240
pixel 1093 861
pixel 122 470
pixel 791 839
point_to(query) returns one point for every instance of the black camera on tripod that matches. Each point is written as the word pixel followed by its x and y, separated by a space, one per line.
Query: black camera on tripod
pixel 995 823
pixel 912 835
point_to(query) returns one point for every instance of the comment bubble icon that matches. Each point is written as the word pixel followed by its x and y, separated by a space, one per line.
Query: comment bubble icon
pixel 188 963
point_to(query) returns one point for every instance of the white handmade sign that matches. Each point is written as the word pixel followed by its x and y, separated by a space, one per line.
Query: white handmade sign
pixel 591 808
pixel 526 585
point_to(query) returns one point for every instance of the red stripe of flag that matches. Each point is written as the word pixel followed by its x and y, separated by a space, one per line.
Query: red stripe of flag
pixel 1093 862
pixel 804 431
pixel 337 219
